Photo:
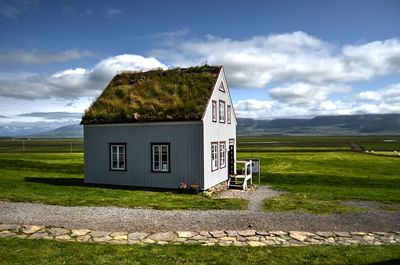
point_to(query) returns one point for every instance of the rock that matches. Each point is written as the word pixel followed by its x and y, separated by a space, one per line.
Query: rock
pixel 63 237
pixel 227 238
pixel 186 234
pixel 148 241
pixel 278 233
pixel 262 233
pixel 117 242
pixel 58 231
pixel 21 236
pixel 162 236
pixel 39 235
pixel 217 233
pixel 247 232
pixel 342 234
pixel 79 232
pixel 325 234
pixel 200 237
pixel 121 237
pixel 30 229
pixel 358 233
pixel 253 238
pixel 255 244
pixel 231 233
pixel 85 238
pixel 300 236
pixel 6 233
pixel 114 234
pixel 99 233
pixel 239 244
pixel 204 233
pixel 368 238
pixel 102 239
pixel 330 240
pixel 137 235
pixel 9 227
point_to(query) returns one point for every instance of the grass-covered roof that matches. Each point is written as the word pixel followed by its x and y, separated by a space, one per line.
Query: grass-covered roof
pixel 177 94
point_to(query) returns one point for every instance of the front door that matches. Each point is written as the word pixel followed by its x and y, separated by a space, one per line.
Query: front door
pixel 231 159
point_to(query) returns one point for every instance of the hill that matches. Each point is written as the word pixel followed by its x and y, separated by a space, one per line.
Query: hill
pixel 323 125
pixel 67 131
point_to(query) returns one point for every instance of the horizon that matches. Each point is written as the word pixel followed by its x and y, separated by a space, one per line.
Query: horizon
pixel 327 59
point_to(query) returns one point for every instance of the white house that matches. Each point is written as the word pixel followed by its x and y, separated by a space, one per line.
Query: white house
pixel 160 128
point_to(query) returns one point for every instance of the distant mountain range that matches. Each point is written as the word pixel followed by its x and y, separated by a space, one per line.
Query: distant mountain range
pixel 323 125
pixel 320 125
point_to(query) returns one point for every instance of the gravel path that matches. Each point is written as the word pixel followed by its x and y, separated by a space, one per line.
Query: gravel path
pixel 255 196
pixel 124 219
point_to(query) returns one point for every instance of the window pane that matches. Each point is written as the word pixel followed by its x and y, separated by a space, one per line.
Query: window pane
pixel 114 164
pixel 121 149
pixel 121 157
pixel 114 149
pixel 114 156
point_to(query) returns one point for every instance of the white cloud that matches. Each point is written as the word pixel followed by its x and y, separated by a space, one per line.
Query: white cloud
pixel 306 94
pixel 113 12
pixel 78 82
pixel 291 57
pixel 385 100
pixel 12 57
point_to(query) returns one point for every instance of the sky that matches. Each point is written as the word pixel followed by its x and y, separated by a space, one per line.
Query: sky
pixel 283 59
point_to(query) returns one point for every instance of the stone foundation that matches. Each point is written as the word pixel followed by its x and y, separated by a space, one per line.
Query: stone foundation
pixel 217 188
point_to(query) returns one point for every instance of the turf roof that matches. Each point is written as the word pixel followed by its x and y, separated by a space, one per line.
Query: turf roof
pixel 177 94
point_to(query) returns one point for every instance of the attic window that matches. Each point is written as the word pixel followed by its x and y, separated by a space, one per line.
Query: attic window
pixel 214 111
pixel 228 113
pixel 221 87
pixel 222 111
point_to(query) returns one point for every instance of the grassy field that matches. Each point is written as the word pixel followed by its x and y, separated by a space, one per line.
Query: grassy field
pixel 317 173
pixel 318 182
pixel 19 251
pixel 57 178
pixel 317 143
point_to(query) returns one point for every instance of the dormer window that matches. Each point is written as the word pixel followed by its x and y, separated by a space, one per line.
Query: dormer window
pixel 221 87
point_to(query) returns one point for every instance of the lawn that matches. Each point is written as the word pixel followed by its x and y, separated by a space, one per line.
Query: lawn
pixel 318 182
pixel 19 251
pixel 57 178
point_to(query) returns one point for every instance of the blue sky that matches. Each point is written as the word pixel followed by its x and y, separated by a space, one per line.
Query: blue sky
pixel 282 58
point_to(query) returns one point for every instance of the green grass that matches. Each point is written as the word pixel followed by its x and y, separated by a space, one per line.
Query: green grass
pixel 58 179
pixel 19 251
pixel 318 182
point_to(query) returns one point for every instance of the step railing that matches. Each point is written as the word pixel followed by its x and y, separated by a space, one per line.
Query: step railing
pixel 244 176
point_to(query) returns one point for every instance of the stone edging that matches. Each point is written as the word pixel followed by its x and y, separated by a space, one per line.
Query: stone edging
pixel 223 238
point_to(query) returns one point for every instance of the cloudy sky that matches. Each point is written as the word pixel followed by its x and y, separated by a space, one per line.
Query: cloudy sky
pixel 282 58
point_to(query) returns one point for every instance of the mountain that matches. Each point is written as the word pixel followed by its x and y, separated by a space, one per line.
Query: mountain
pixel 323 125
pixel 67 131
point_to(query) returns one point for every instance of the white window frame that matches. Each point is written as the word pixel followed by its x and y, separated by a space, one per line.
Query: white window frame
pixel 222 154
pixel 222 111
pixel 229 113
pixel 214 156
pixel 160 161
pixel 120 150
pixel 214 111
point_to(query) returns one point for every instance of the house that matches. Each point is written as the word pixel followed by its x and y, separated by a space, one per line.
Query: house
pixel 160 128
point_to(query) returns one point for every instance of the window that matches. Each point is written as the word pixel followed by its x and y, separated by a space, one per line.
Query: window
pixel 214 111
pixel 228 113
pixel 214 156
pixel 222 111
pixel 222 154
pixel 160 157
pixel 117 156
pixel 221 87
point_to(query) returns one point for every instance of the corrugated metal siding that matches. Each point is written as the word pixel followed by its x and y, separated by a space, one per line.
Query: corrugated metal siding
pixel 186 151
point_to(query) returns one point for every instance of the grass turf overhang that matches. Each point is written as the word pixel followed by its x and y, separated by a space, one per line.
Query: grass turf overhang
pixel 179 94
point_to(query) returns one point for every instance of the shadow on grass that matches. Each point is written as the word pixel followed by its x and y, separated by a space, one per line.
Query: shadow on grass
pixel 79 182
pixel 74 182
